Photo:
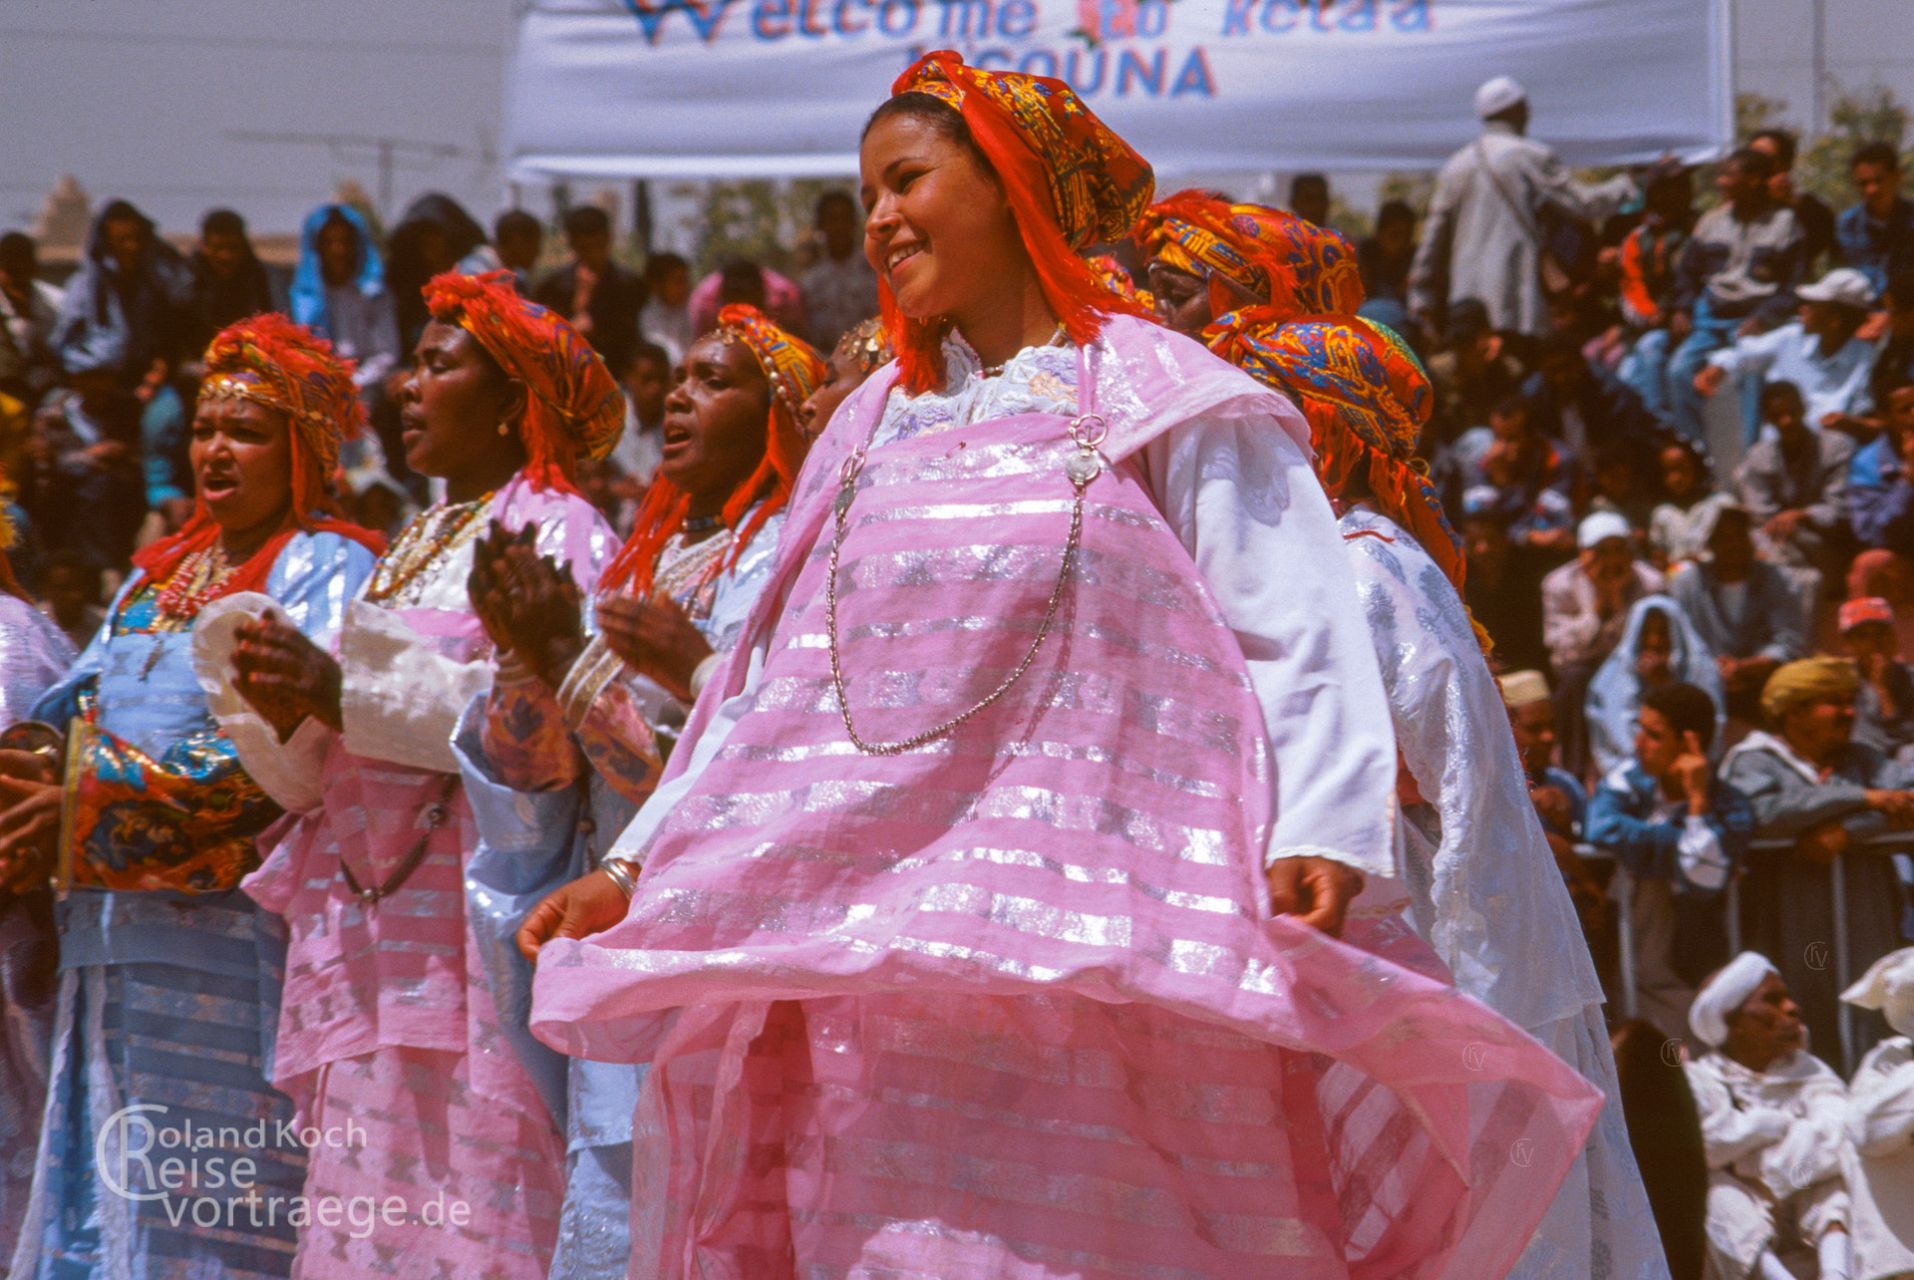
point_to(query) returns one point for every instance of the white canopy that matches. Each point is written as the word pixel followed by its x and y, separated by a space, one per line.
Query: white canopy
pixel 743 88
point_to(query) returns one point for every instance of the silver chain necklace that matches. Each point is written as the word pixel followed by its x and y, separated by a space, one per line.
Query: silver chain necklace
pixel 1087 431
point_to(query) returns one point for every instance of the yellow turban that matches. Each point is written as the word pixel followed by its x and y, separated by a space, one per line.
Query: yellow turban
pixel 1808 681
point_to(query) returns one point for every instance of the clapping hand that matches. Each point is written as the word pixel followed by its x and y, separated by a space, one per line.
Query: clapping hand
pixel 528 603
pixel 654 636
pixel 286 677
pixel 30 797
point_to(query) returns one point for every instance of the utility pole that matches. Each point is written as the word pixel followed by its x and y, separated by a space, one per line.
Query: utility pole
pixel 1818 123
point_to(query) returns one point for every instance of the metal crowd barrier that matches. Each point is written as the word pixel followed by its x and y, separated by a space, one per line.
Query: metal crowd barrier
pixel 1621 892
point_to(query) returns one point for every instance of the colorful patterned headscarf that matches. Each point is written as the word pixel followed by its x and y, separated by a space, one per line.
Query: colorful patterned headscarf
pixel 573 407
pixel 1117 279
pixel 1069 181
pixel 792 369
pixel 1366 397
pixel 1282 261
pixel 268 360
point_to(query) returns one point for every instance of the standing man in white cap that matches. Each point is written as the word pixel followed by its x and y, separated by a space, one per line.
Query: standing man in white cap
pixel 1881 1125
pixel 1774 1126
pixel 1485 232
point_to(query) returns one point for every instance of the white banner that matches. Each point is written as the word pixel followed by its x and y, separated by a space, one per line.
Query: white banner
pixel 740 88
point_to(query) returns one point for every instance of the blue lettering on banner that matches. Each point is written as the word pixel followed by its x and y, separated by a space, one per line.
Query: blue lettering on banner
pixel 1017 18
pixel 1136 74
pixel 767 12
pixel 891 11
pixel 841 21
pixel 1358 17
pixel 1152 18
pixel 706 16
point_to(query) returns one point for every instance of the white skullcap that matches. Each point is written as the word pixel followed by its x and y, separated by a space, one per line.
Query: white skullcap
pixel 1724 993
pixel 1888 985
pixel 1523 689
pixel 1497 96
pixel 1598 527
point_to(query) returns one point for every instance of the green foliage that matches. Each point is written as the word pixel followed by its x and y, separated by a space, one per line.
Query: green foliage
pixel 758 219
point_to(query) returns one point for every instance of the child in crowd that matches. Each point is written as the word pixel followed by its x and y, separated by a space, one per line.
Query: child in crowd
pixel 1678 832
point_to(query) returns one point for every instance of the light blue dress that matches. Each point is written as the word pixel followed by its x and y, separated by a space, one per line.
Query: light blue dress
pixel 168 999
pixel 531 844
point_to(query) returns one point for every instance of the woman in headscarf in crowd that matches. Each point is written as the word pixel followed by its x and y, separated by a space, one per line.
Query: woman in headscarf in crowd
pixel 434 236
pixel 390 1036
pixel 861 352
pixel 169 974
pixel 1880 1124
pixel 576 726
pixel 1774 1128
pixel 1024 759
pixel 338 289
pixel 1659 646
pixel 1810 782
pixel 34 654
pixel 1477 876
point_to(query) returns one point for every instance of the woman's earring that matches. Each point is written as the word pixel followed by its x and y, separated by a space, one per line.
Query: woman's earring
pixel 504 428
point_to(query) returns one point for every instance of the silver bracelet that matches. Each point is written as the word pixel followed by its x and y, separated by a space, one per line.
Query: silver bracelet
pixel 621 874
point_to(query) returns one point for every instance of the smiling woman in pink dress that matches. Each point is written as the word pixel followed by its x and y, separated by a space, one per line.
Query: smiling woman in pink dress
pixel 984 918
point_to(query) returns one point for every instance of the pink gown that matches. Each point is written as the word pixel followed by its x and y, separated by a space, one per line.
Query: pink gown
pixel 1012 1004
pixel 389 1039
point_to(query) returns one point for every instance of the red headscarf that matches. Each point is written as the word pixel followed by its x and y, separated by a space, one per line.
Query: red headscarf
pixel 1069 179
pixel 793 369
pixel 286 367
pixel 1282 261
pixel 573 405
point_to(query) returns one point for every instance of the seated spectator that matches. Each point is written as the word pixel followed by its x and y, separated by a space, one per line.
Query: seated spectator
pixel 72 592
pixel 1504 585
pixel 1894 366
pixel 647 381
pixel 126 308
pixel 666 319
pixel 1560 800
pixel 1881 1124
pixel 229 281
pixel 1529 478
pixel 1586 605
pixel 1744 609
pixel 1774 1126
pixel 85 487
pixel 435 234
pixel 1472 375
pixel 1678 528
pixel 1664 1130
pixel 1876 235
pixel 1812 785
pixel 1659 647
pixel 593 291
pixel 840 288
pixel 1884 709
pixel 1794 483
pixel 1647 262
pixel 1586 408
pixel 1384 258
pixel 1881 505
pixel 29 310
pixel 1820 353
pixel 519 238
pixel 1736 276
pixel 747 282
pixel 339 292
pixel 1621 481
pixel 1678 833
pixel 1816 219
